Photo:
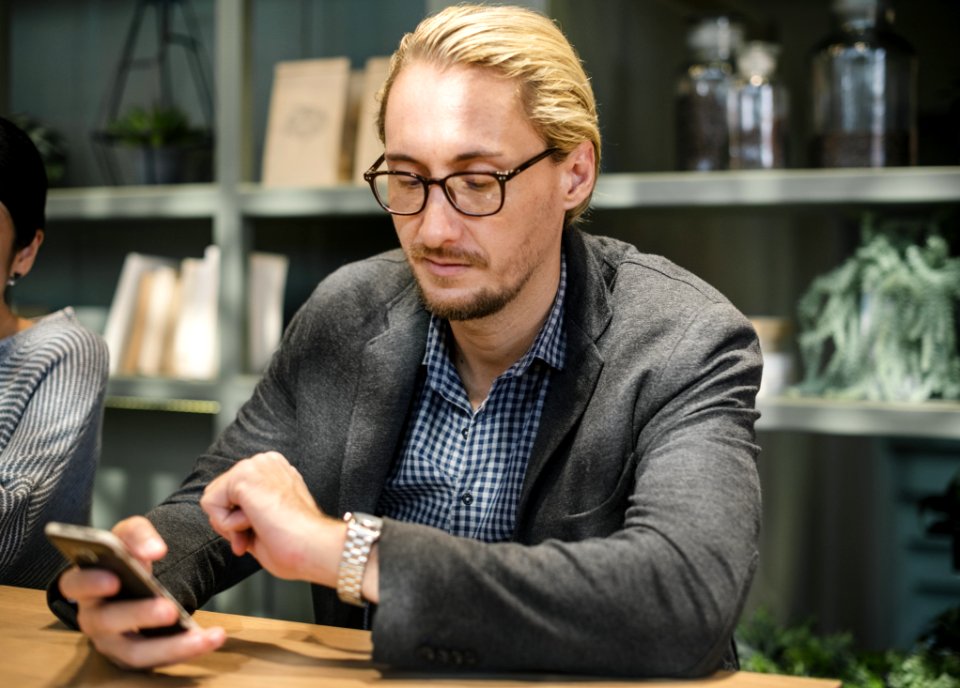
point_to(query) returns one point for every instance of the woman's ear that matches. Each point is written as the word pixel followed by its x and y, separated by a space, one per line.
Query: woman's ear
pixel 580 174
pixel 23 259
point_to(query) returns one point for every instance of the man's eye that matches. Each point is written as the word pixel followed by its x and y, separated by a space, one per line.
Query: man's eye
pixel 406 183
pixel 479 183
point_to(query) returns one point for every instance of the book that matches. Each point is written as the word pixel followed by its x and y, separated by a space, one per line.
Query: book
pixel 194 350
pixel 305 122
pixel 158 306
pixel 368 146
pixel 124 306
pixel 268 279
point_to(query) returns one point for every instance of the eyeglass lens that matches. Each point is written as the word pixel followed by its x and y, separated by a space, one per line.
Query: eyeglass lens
pixel 475 193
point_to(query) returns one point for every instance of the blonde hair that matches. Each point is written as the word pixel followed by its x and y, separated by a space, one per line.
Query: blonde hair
pixel 518 44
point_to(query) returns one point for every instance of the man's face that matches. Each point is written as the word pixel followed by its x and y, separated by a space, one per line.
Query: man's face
pixel 440 121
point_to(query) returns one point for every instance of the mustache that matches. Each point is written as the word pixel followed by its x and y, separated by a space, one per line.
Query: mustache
pixel 458 255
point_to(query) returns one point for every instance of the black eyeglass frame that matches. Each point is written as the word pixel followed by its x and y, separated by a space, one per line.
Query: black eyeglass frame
pixel 370 176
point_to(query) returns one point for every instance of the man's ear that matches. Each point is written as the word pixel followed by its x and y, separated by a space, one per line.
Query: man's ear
pixel 23 259
pixel 579 175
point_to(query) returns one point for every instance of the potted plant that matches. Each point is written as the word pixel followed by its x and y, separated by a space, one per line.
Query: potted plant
pixel 882 325
pixel 168 144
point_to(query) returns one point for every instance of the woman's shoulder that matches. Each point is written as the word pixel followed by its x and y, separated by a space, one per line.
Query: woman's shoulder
pixel 61 334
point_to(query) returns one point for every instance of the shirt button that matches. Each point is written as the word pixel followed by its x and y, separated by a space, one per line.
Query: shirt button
pixel 465 432
pixel 466 498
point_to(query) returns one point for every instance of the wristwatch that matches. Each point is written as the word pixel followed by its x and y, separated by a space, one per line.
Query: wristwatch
pixel 363 530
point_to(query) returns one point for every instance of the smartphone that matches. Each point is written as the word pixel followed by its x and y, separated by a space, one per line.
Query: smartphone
pixel 94 548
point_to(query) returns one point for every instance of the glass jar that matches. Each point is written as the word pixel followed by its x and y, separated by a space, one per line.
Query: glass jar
pixel 758 110
pixel 701 95
pixel 864 91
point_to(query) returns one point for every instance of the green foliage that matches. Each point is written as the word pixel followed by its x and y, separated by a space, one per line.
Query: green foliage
pixel 767 647
pixel 157 127
pixel 882 326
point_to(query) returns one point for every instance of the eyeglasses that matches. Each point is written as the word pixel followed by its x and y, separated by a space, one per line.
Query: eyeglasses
pixel 476 194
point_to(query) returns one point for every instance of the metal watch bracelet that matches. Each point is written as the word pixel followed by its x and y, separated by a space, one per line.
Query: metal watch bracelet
pixel 363 530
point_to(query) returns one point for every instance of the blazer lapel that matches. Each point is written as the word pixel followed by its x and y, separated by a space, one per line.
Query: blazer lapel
pixel 391 362
pixel 587 314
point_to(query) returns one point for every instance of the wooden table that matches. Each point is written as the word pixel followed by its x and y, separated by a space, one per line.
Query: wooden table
pixel 37 650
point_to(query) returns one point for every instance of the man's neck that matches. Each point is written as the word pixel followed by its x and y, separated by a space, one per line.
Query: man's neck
pixel 485 348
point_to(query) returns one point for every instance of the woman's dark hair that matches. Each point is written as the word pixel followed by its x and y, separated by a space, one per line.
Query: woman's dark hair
pixel 23 183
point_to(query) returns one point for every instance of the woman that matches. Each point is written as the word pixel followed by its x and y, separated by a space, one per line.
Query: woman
pixel 53 373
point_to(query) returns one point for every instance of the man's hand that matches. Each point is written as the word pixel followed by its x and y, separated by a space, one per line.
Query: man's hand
pixel 112 625
pixel 262 506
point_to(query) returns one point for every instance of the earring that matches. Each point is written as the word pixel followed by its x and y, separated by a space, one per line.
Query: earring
pixel 13 278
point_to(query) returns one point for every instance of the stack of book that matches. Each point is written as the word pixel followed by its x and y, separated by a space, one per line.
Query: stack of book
pixel 163 318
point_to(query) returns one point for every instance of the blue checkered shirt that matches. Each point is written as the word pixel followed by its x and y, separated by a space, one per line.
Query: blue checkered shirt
pixel 461 470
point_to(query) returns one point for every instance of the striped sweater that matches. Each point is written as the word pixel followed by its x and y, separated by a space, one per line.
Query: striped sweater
pixel 52 381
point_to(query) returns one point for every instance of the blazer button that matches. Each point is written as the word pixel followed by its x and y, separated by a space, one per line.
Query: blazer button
pixel 443 656
pixel 456 657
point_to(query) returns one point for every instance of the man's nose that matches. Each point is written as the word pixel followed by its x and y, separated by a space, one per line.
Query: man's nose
pixel 439 220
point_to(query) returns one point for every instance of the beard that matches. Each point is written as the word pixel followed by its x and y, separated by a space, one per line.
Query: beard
pixel 480 304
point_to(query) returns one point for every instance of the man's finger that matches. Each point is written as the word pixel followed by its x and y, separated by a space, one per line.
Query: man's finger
pixel 137 652
pixel 141 538
pixel 88 584
pixel 112 617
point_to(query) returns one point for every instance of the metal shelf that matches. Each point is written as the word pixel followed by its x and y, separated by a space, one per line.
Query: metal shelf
pixel 885 419
pixel 258 201
pixel 779 187
pixel 929 420
pixel 133 202
pixel 619 190
pixel 164 394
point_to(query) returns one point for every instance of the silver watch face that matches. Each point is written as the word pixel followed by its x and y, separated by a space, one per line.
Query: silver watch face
pixel 368 521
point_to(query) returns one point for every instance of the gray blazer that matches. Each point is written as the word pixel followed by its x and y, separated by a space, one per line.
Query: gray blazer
pixel 637 528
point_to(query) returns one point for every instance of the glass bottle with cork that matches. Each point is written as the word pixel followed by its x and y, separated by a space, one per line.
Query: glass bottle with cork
pixel 758 110
pixel 702 91
pixel 864 90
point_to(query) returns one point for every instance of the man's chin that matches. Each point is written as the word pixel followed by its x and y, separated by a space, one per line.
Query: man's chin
pixel 469 307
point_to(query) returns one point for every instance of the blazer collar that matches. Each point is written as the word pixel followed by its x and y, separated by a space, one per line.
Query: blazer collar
pixel 388 379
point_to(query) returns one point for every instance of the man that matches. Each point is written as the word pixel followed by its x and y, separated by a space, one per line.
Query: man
pixel 554 431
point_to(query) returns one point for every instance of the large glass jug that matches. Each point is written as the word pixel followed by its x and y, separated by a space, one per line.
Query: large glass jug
pixel 702 89
pixel 864 91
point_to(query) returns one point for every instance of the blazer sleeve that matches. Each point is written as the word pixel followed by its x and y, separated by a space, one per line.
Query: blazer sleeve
pixel 199 563
pixel 660 596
